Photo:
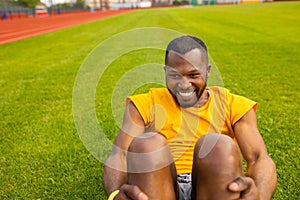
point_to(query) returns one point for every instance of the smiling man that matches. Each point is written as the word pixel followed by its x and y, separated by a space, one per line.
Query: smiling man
pixel 187 76
pixel 186 141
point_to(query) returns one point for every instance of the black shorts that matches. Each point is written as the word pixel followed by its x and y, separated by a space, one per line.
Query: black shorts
pixel 185 186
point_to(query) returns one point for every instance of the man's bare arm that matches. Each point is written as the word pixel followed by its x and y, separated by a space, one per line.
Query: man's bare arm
pixel 115 174
pixel 260 167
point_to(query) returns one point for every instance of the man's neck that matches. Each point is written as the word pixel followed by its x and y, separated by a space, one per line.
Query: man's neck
pixel 203 99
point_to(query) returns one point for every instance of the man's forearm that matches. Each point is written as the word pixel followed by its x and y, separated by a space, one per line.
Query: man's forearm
pixel 115 174
pixel 263 172
pixel 113 179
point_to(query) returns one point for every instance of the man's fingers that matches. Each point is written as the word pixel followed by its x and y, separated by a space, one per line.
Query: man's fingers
pixel 241 184
pixel 134 192
pixel 238 185
pixel 142 196
pixel 122 196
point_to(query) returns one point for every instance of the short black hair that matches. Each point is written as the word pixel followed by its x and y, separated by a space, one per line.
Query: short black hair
pixel 185 44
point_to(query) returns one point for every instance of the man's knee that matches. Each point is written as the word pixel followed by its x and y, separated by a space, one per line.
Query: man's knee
pixel 147 142
pixel 147 153
pixel 216 145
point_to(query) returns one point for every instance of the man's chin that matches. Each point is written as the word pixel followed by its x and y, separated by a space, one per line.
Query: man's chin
pixel 184 104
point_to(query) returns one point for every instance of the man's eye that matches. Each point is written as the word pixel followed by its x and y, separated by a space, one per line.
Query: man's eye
pixel 194 75
pixel 174 75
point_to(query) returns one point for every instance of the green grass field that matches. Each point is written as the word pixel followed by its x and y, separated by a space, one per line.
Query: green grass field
pixel 256 49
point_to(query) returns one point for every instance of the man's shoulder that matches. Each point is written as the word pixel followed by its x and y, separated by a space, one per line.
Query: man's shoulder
pixel 159 91
pixel 160 94
pixel 155 96
pixel 218 90
pixel 153 93
pixel 220 94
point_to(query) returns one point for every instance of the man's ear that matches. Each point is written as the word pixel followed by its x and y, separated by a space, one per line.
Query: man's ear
pixel 208 71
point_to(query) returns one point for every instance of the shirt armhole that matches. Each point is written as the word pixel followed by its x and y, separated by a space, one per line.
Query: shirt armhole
pixel 240 106
pixel 140 108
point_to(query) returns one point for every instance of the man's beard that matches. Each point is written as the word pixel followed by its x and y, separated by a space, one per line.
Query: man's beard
pixel 188 105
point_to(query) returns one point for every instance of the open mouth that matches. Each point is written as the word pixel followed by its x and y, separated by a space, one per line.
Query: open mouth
pixel 186 94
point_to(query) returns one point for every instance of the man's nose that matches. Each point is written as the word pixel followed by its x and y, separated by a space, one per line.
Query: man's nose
pixel 184 83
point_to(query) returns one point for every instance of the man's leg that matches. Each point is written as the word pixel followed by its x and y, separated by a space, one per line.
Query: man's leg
pixel 150 166
pixel 217 162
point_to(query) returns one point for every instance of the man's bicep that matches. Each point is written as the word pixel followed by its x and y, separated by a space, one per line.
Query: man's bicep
pixel 248 137
pixel 133 125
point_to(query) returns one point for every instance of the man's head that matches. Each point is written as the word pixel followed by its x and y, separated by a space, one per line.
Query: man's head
pixel 187 70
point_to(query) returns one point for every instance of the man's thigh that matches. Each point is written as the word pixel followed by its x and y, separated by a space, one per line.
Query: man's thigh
pixel 217 162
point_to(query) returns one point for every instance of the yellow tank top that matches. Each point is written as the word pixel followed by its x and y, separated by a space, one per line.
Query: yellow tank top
pixel 182 127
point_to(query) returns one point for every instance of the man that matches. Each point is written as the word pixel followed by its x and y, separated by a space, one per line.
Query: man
pixel 168 147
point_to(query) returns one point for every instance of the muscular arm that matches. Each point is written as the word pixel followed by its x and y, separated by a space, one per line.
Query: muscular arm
pixel 260 166
pixel 115 167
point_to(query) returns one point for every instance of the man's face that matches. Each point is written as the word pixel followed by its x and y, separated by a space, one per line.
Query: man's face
pixel 186 76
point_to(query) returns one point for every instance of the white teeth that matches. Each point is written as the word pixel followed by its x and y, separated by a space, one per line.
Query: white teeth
pixel 186 94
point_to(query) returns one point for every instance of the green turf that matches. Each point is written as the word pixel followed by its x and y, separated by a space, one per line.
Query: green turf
pixel 255 47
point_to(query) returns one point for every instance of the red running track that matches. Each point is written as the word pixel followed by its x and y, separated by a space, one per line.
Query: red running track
pixel 20 28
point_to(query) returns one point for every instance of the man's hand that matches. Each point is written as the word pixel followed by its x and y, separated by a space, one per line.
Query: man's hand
pixel 131 192
pixel 246 187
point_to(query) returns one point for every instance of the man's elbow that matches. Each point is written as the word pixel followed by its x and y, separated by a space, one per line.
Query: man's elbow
pixel 271 164
pixel 272 167
pixel 271 171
